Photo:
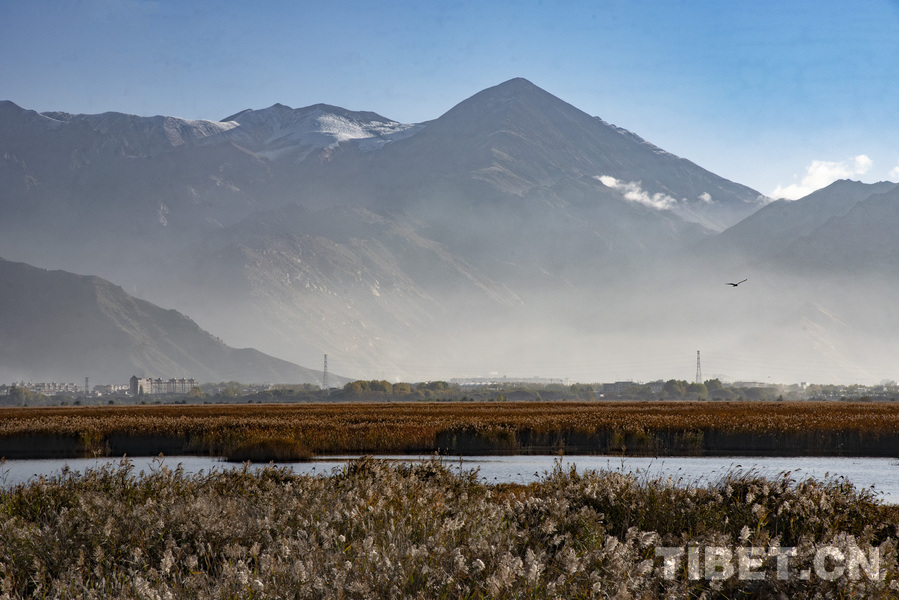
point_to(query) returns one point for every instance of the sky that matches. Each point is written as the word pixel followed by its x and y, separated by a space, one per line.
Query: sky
pixel 784 97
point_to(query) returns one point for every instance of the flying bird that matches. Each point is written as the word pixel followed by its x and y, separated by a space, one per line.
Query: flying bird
pixel 736 284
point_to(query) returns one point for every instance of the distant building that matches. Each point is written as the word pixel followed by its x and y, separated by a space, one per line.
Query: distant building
pixel 105 390
pixel 748 384
pixel 52 388
pixel 155 387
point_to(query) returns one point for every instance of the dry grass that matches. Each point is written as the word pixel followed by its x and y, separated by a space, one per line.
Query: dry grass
pixel 372 530
pixel 416 427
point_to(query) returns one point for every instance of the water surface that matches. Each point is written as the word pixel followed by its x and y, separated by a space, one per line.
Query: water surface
pixel 880 474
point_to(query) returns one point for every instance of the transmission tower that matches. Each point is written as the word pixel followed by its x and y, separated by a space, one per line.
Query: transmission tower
pixel 698 369
pixel 87 386
pixel 325 386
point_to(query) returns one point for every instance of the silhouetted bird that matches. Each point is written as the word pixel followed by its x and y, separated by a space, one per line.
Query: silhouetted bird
pixel 736 284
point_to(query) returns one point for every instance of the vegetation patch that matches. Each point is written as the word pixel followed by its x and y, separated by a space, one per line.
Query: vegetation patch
pixel 267 449
pixel 282 431
pixel 378 530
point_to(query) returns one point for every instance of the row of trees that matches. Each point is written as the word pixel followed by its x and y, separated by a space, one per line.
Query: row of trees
pixel 673 389
pixel 22 395
pixel 393 389
pixel 678 388
pixel 711 389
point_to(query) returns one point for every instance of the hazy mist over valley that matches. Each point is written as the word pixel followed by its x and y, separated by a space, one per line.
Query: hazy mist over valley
pixel 514 235
pixel 449 299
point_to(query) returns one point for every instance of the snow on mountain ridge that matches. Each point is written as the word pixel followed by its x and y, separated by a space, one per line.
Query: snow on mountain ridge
pixel 275 131
pixel 140 131
pixel 271 132
pixel 636 138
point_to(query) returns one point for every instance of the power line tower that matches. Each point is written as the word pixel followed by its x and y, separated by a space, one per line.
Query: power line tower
pixel 698 369
pixel 325 386
pixel 87 386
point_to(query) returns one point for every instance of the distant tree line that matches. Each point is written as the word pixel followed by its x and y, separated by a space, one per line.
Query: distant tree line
pixel 424 390
pixel 22 395
pixel 230 392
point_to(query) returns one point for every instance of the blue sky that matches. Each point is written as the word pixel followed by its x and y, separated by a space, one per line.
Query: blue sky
pixel 781 96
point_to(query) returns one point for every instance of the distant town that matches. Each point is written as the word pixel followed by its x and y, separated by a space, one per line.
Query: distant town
pixel 148 390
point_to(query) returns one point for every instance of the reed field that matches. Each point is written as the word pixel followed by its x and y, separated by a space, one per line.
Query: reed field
pixel 297 431
pixel 373 529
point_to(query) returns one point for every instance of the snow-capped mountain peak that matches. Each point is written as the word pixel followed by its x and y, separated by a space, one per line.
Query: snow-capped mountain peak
pixel 279 130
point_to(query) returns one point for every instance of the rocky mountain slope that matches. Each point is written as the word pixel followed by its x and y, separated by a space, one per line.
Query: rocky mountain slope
pixel 513 232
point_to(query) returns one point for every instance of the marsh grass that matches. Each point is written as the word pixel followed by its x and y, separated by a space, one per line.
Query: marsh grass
pixel 652 428
pixel 373 529
pixel 255 448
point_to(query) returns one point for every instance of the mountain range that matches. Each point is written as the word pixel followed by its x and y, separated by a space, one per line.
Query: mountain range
pixel 512 233
pixel 58 326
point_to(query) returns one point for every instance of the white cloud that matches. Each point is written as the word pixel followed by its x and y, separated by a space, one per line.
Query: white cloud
pixel 894 174
pixel 706 197
pixel 632 191
pixel 822 173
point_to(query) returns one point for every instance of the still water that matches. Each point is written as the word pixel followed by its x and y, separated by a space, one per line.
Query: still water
pixel 881 474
